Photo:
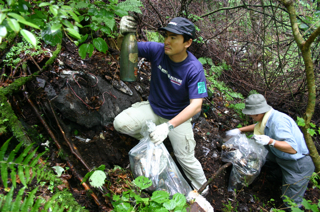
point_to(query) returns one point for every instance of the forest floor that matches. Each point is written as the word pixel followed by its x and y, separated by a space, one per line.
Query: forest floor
pixel 108 147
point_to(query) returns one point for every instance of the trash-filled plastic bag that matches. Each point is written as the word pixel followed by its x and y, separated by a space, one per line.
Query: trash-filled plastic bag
pixel 155 162
pixel 247 158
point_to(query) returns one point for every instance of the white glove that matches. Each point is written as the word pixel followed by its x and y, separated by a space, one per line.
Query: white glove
pixel 233 132
pixel 262 139
pixel 127 24
pixel 159 134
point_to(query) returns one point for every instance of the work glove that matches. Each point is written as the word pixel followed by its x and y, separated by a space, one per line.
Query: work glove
pixel 233 132
pixel 158 135
pixel 127 24
pixel 262 139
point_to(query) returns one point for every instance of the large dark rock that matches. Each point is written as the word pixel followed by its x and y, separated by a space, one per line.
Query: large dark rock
pixel 106 102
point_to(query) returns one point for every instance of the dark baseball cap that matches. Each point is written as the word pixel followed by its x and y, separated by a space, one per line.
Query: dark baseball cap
pixel 181 26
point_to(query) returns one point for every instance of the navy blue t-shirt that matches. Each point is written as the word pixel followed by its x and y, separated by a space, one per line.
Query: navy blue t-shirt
pixel 172 84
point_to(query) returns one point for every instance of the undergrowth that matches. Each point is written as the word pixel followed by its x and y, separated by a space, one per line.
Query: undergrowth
pixel 21 166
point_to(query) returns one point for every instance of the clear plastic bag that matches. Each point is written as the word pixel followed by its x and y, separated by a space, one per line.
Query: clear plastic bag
pixel 155 162
pixel 247 158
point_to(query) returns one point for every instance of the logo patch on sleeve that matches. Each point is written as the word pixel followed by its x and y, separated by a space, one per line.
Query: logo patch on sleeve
pixel 201 87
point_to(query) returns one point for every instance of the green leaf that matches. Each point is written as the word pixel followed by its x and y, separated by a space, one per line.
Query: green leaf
pixel 44 4
pixel 303 26
pixel 2 17
pixel 67 24
pixel 74 33
pixel 170 205
pixel 100 44
pixel 312 132
pixel 84 49
pixel 59 170
pixel 29 37
pixel 29 24
pixel 123 207
pixel 4 174
pixel 97 179
pixel 106 30
pixel 312 125
pixel 51 37
pixel 16 204
pixel 16 16
pixel 180 199
pixel 120 12
pixel 110 22
pixel 14 25
pixel 3 31
pixel 21 175
pixel 74 16
pixel 142 182
pixel 202 60
pixel 8 202
pixel 83 39
pixel 300 122
pixel 54 10
pixel 29 201
pixel 56 27
pixel 160 196
pixel 11 2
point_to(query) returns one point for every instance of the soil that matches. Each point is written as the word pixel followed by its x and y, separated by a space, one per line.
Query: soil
pixel 110 148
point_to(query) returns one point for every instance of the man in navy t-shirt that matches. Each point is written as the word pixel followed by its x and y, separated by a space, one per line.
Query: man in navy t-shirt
pixel 178 86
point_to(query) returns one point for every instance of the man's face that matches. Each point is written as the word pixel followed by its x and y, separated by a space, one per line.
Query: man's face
pixel 174 45
pixel 257 117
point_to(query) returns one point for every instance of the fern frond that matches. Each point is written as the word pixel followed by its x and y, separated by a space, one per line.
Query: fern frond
pixel 16 204
pixel 131 5
pixel 8 201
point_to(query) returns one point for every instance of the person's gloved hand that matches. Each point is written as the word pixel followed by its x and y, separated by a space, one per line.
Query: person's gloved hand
pixel 158 135
pixel 233 132
pixel 262 139
pixel 127 24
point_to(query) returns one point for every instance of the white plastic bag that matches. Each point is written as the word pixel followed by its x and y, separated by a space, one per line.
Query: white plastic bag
pixel 155 162
pixel 247 158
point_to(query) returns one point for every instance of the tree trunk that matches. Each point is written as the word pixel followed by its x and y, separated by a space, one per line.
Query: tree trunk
pixel 304 46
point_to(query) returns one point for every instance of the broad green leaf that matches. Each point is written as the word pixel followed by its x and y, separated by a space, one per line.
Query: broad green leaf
pixel 11 2
pixel 74 33
pixel 170 205
pixel 74 16
pixel 160 196
pixel 59 170
pixel 29 24
pixel 124 206
pixel 202 60
pixel 2 17
pixel 97 179
pixel 142 182
pixel 29 37
pixel 53 10
pixel 40 14
pixel 44 4
pixel 303 26
pixel 3 31
pixel 120 12
pixel 180 199
pixel 14 25
pixel 56 27
pixel 100 44
pixel 16 16
pixel 67 24
pixel 106 30
pixel 51 37
pixel 110 22
pixel 66 7
pixel 84 48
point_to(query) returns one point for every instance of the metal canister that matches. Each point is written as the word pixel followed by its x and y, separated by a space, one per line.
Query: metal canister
pixel 129 58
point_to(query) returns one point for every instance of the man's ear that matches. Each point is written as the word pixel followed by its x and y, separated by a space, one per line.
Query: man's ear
pixel 188 43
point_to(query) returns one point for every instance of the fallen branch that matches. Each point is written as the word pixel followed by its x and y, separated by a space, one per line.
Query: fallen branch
pixel 73 148
pixel 214 176
pixel 75 173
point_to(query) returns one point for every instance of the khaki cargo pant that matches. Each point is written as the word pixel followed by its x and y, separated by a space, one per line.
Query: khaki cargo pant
pixel 132 119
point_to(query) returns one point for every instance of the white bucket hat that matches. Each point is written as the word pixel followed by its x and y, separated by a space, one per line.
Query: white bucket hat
pixel 256 104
